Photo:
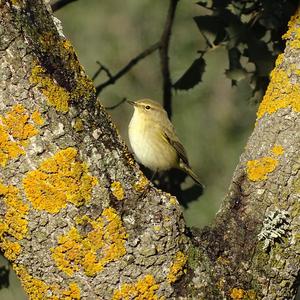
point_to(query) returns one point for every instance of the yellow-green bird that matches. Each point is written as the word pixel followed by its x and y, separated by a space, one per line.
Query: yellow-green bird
pixel 154 141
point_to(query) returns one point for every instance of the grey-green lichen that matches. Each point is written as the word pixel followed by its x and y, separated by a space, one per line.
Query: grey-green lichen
pixel 275 227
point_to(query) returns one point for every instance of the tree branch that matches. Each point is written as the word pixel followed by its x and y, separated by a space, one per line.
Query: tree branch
pixel 100 69
pixel 70 220
pixel 164 58
pixel 116 105
pixel 112 79
pixel 60 4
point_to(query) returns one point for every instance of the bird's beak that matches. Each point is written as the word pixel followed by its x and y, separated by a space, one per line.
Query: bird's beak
pixel 131 103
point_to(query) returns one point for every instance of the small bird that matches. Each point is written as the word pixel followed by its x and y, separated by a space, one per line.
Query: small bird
pixel 154 141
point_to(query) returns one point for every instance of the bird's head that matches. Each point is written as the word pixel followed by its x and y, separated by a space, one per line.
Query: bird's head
pixel 148 109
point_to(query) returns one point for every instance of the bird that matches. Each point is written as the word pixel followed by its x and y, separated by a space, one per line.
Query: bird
pixel 154 141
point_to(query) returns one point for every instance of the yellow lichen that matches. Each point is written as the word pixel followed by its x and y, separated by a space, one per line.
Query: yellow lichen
pixel 251 295
pixel 223 260
pixel 117 190
pixel 91 251
pixel 277 150
pixel 14 224
pixel 177 268
pixel 15 217
pixel 140 185
pixel 84 85
pixel 145 288
pixel 292 25
pixel 279 60
pixel 37 118
pixel 11 249
pixel 62 47
pixel 78 125
pixel 16 2
pixel 258 169
pixel 293 34
pixel 16 129
pixel 281 92
pixel 237 293
pixel 58 180
pixel 72 293
pixel 56 95
pixel 38 290
pixel 173 200
pixel 35 288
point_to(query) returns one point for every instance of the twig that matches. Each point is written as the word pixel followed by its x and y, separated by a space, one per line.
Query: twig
pixel 112 79
pixel 101 68
pixel 116 105
pixel 60 3
pixel 164 58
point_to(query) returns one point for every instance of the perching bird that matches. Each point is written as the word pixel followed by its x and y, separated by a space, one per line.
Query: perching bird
pixel 154 141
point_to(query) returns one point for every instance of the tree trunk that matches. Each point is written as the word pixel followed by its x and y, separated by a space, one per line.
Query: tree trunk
pixel 80 221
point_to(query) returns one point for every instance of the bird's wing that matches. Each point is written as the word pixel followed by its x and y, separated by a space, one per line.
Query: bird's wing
pixel 175 143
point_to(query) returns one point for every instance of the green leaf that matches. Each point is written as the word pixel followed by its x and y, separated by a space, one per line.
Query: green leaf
pixel 235 72
pixel 192 76
pixel 212 27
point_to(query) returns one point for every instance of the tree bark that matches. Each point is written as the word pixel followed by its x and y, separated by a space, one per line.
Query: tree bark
pixel 80 221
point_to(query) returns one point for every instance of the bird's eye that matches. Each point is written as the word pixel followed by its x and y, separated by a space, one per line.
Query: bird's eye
pixel 147 107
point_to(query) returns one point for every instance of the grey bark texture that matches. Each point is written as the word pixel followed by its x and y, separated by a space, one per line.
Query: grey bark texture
pixel 108 233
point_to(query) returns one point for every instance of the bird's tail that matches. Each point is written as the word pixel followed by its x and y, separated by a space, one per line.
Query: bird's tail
pixel 191 173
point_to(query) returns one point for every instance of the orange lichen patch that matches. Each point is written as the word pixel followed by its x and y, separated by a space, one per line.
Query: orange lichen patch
pixel 177 268
pixel 173 200
pixel 58 180
pixel 277 150
pixel 91 251
pixel 68 253
pixel 82 87
pixel 35 288
pixel 144 288
pixel 279 60
pixel 223 260
pixel 292 25
pixel 16 129
pixel 11 249
pixel 37 118
pixel 78 125
pixel 72 293
pixel 237 294
pixel 8 149
pixel 281 93
pixel 16 2
pixel 258 169
pixel 17 123
pixel 293 34
pixel 56 95
pixel 140 185
pixel 14 224
pixel 117 190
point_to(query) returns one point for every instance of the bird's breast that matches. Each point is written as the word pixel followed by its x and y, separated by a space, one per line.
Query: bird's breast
pixel 149 145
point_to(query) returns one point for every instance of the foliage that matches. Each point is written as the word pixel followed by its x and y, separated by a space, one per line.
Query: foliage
pixel 250 31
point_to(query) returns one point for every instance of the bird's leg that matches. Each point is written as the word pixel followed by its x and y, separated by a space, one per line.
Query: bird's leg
pixel 153 175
